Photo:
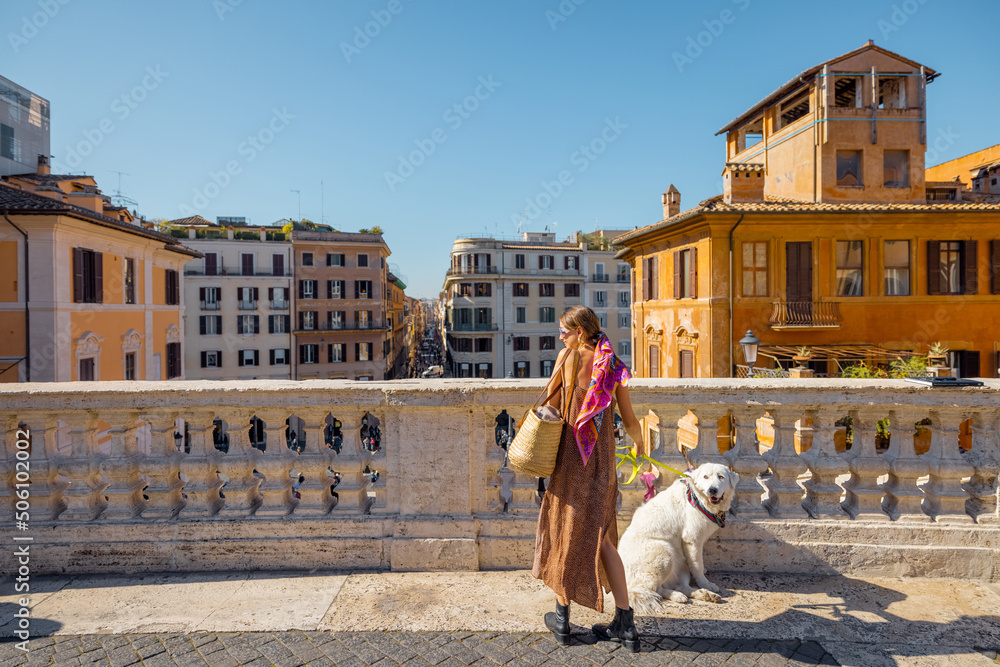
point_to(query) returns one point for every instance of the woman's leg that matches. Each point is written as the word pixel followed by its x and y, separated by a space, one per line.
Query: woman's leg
pixel 615 572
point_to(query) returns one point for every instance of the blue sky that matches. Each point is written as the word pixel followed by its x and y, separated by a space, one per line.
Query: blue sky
pixel 224 107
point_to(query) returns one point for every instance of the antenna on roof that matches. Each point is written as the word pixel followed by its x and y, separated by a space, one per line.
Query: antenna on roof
pixel 322 204
pixel 118 199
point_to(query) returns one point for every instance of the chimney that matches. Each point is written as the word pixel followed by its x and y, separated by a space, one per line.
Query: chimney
pixel 671 202
pixel 742 182
pixel 43 165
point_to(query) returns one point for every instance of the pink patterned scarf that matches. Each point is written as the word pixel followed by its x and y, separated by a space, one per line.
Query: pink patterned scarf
pixel 609 371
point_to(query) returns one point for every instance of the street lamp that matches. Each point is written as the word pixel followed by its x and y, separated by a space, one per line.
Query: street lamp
pixel 750 344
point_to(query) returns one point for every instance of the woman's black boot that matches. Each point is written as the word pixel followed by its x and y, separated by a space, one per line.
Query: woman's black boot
pixel 622 629
pixel 558 623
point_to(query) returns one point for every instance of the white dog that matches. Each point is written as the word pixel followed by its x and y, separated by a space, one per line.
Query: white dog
pixel 662 547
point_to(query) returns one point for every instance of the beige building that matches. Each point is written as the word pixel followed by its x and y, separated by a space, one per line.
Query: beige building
pixel 237 302
pixel 503 300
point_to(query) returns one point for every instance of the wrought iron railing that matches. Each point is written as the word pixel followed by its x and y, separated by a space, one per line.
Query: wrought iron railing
pixel 805 314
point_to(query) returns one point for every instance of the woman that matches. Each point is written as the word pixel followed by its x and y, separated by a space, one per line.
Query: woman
pixel 576 543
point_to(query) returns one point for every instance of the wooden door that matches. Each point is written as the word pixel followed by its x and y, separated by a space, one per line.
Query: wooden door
pixel 798 282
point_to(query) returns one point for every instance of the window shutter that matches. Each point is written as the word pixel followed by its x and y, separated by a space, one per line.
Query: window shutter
pixel 256 323
pixel 302 289
pixel 204 355
pixel 218 324
pixel 256 357
pixel 357 352
pixel 201 324
pixel 677 274
pixel 933 267
pixel 270 323
pixel 287 322
pixel 201 293
pixel 995 266
pixel 239 324
pixel 270 294
pixel 302 319
pixel 302 354
pixel 693 274
pixel 541 261
pixel 271 355
pixel 256 294
pixel 285 292
pixel 971 267
pixel 99 277
pixel 218 358
pixel 78 275
pixel 239 294
pixel 329 289
pixel 566 262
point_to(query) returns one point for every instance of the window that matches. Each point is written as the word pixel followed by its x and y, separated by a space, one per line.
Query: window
pixel 209 297
pixel 246 264
pixel 546 262
pixel 129 280
pixel 995 267
pixel 362 288
pixel 522 343
pixel 847 91
pixel 599 274
pixel 484 289
pixel 650 279
pixel 307 259
pixel 571 290
pixel 548 365
pixel 335 259
pixel 624 301
pixel 277 324
pixel 897 268
pixel 755 268
pixel 484 317
pixel 623 273
pixel 895 169
pixel 87 370
pixel 463 344
pixel 307 320
pixel 465 289
pixel 546 314
pixel 520 315
pixel 173 296
pixel 211 359
pixel 891 92
pixel 362 260
pixel 484 345
pixel 10 147
pixel 653 359
pixel 247 325
pixel 363 351
pixel 686 274
pixel 600 299
pixel 463 316
pixel 307 289
pixel 794 108
pixel 130 366
pixel 210 325
pixel 546 289
pixel 571 262
pixel 211 264
pixel 173 360
pixel 623 320
pixel 363 318
pixel 484 371
pixel 547 342
pixel 247 297
pixel 603 319
pixel 522 369
pixel 624 348
pixel 520 289
pixel 336 353
pixel 687 363
pixel 278 297
pixel 309 353
pixel 952 267
pixel 249 358
pixel 518 261
pixel 277 264
pixel 850 268
pixel 88 276
pixel 279 356
pixel 335 319
pixel 849 168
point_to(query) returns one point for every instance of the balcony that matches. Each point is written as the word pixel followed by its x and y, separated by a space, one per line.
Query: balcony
pixel 113 489
pixel 600 278
pixel 476 270
pixel 805 315
pixel 210 305
pixel 279 304
pixel 236 271
pixel 248 305
pixel 480 326
pixel 347 326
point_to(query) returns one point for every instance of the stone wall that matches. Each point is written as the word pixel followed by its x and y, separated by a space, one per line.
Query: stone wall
pixel 116 487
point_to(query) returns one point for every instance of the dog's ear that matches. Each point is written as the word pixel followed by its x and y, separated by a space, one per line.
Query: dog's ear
pixel 734 478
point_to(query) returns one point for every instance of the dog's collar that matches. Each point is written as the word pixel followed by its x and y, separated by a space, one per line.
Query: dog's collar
pixel 718 519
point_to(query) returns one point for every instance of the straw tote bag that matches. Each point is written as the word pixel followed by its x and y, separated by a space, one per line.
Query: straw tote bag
pixel 536 444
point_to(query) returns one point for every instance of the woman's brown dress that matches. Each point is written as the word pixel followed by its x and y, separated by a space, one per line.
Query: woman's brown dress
pixel 578 510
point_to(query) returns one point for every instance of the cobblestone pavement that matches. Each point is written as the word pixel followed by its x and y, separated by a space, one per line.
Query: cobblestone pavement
pixel 446 649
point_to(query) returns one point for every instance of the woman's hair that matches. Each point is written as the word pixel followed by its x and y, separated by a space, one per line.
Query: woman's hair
pixel 586 319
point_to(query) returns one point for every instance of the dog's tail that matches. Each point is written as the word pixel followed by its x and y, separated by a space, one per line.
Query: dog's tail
pixel 645 602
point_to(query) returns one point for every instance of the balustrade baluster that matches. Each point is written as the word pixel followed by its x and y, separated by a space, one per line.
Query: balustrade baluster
pixel 275 463
pixel 784 495
pixel 984 456
pixel 200 468
pixel 668 451
pixel 707 448
pixel 312 463
pixel 902 496
pixel 864 495
pixel 162 468
pixel 241 493
pixel 85 496
pixel 47 487
pixel 121 467
pixel 745 460
pixel 944 496
pixel 825 464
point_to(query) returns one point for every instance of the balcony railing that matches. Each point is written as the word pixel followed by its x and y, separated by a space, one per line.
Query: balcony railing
pixel 277 304
pixel 236 271
pixel 128 477
pixel 479 326
pixel 347 326
pixel 476 270
pixel 623 279
pixel 248 305
pixel 600 278
pixel 210 305
pixel 805 315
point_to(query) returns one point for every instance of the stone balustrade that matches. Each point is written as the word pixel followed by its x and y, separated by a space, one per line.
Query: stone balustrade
pixel 859 476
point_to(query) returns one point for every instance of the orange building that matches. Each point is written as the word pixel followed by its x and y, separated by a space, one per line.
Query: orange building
pixel 826 237
pixel 86 293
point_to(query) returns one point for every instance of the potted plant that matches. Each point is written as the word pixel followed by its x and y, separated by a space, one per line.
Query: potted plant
pixel 937 355
pixel 802 356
